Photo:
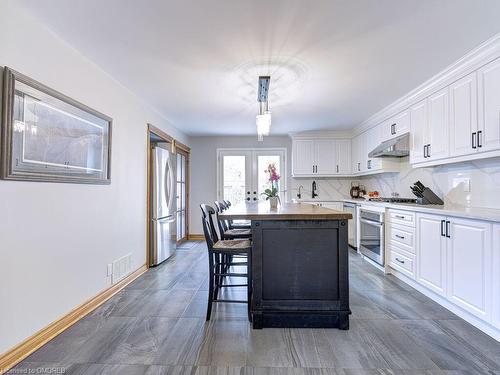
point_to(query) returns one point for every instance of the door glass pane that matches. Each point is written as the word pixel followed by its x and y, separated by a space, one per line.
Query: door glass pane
pixel 234 178
pixel 263 162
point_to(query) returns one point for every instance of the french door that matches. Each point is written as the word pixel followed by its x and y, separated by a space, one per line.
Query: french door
pixel 242 174
pixel 182 195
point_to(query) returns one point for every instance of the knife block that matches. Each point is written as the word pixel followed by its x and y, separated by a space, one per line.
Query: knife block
pixel 429 197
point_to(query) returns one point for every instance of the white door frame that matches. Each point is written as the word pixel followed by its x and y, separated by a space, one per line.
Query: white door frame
pixel 252 152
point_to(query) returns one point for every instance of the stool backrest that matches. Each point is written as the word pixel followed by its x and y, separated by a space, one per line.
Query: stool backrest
pixel 208 225
pixel 227 203
pixel 223 224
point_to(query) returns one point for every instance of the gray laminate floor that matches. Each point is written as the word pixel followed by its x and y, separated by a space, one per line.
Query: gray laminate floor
pixel 157 326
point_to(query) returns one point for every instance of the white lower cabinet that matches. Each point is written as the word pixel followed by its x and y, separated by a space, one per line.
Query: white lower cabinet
pixel 455 259
pixel 495 247
pixel 431 253
pixel 470 265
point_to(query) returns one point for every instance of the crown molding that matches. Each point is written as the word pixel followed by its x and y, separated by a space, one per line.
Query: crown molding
pixel 475 59
pixel 338 134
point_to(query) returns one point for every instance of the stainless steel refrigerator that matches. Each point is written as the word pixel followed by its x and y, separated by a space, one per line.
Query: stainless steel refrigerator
pixel 163 204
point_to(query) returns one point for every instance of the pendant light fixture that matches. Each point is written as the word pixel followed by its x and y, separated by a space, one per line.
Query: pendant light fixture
pixel 263 119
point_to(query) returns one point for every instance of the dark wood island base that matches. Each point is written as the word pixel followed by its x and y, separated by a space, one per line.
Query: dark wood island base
pixel 300 275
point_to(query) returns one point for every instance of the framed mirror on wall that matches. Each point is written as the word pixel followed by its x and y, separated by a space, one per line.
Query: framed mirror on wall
pixel 47 136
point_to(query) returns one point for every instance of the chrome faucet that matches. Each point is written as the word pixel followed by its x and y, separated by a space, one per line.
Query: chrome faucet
pixel 299 194
pixel 314 194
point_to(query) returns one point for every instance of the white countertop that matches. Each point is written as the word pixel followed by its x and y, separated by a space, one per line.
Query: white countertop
pixel 488 214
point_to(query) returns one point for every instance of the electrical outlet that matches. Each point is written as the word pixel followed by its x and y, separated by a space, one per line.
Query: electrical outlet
pixel 464 181
pixel 109 271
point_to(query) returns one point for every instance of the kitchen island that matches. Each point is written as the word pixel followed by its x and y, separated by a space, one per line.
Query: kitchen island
pixel 299 265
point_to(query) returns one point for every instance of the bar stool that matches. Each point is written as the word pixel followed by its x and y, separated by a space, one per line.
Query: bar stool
pixel 219 254
pixel 228 233
pixel 236 224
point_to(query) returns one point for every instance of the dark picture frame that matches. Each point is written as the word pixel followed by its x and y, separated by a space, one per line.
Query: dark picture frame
pixel 47 136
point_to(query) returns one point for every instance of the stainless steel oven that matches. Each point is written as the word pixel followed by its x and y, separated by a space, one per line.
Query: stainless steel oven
pixel 371 231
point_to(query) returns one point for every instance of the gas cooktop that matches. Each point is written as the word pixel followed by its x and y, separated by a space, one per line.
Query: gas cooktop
pixel 394 200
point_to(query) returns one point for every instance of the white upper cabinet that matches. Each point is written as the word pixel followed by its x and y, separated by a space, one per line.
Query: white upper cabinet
pixel 463 115
pixel 489 107
pixel 431 252
pixel 373 139
pixel 324 157
pixel 321 157
pixel 396 125
pixel 303 157
pixel 356 154
pixel 418 128
pixel 343 156
pixel 470 266
pixel 436 135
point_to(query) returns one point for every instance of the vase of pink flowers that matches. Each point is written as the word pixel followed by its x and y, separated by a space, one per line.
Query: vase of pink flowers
pixel 272 194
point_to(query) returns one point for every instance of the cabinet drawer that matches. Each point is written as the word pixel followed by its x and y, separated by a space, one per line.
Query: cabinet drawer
pixel 403 236
pixel 402 262
pixel 402 217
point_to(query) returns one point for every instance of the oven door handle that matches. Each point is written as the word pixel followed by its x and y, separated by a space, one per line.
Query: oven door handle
pixel 371 222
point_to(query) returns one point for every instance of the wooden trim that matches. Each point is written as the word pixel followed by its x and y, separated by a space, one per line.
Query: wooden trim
pixel 187 155
pixel 15 355
pixel 183 147
pixel 160 133
pixel 196 237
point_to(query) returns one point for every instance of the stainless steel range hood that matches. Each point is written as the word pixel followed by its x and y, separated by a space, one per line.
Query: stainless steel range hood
pixel 397 147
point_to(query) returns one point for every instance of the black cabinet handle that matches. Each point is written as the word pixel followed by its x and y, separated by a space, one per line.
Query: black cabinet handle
pixel 393 129
pixel 425 151
pixel 443 223
pixel 448 234
pixel 400 261
pixel 479 140
pixel 474 140
pixel 359 167
pixel 429 150
pixel 399 216
pixel 337 169
pixel 399 236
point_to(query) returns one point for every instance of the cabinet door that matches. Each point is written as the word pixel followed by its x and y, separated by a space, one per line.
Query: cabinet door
pixel 363 151
pixel 355 165
pixel 495 248
pixel 303 157
pixel 489 107
pixel 418 126
pixel 373 140
pixel 343 156
pixel 469 266
pixel 437 135
pixel 324 156
pixel 400 123
pixel 431 253
pixel 463 115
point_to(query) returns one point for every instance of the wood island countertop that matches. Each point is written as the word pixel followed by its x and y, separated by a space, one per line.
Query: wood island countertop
pixel 285 211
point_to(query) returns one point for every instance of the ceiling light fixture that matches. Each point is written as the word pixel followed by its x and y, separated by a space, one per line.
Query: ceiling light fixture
pixel 263 119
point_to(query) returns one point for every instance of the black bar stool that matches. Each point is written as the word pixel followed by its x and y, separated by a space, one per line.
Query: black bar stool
pixel 220 253
pixel 236 224
pixel 228 233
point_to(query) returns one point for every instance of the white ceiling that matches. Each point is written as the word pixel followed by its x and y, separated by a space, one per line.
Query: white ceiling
pixel 333 63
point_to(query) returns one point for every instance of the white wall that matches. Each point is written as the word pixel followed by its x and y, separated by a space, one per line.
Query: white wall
pixel 204 168
pixel 56 239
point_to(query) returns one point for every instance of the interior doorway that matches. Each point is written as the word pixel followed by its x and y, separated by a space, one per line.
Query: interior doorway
pixel 241 175
pixel 167 195
pixel 182 192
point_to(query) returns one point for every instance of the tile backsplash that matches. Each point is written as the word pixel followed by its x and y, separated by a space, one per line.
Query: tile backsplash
pixel 484 178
